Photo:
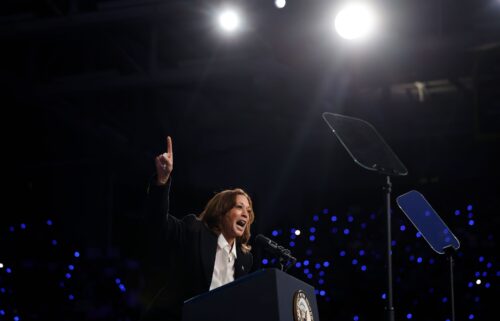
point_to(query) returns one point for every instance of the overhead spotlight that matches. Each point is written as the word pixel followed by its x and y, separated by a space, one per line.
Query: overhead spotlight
pixel 355 21
pixel 229 20
pixel 280 4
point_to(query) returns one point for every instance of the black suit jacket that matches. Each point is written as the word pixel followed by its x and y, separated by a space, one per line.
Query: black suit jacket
pixel 191 247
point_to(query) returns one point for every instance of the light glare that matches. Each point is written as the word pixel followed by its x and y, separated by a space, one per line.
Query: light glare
pixel 280 4
pixel 355 21
pixel 229 20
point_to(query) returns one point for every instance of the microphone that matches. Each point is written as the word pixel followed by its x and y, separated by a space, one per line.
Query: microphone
pixel 273 248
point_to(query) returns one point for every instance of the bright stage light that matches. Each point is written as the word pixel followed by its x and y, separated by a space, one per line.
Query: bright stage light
pixel 280 4
pixel 229 20
pixel 355 21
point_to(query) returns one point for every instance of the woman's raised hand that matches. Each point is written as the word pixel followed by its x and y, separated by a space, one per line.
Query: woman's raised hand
pixel 164 164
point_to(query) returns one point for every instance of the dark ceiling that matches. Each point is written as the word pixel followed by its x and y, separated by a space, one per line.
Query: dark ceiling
pixel 95 86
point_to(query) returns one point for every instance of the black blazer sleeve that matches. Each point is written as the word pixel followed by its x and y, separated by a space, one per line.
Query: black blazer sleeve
pixel 166 228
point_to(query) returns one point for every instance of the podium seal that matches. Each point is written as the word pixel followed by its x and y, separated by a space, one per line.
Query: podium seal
pixel 301 307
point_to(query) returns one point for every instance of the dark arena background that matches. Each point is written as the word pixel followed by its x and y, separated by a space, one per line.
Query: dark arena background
pixel 92 88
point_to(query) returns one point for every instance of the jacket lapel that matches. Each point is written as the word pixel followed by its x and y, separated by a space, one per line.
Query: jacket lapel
pixel 241 265
pixel 208 249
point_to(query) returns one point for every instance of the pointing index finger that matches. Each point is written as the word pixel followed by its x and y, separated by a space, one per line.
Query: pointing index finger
pixel 169 145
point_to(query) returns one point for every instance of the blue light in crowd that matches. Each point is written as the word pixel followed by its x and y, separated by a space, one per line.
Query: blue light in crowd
pixel 481 258
pixel 71 297
pixel 485 273
pixel 346 231
pixel 8 270
pixel 470 215
pixel 325 211
pixel 354 262
pixel 71 267
pixel 312 238
pixel 298 265
pixel 54 242
pixel 471 316
pixel 292 231
pixel 2 290
pixel 292 243
pixel 322 292
pixel 16 318
pixel 471 222
pixel 363 268
pixel 457 212
pixel 469 207
pixel 293 236
pixel 326 264
pixel 418 235
pixel 122 288
pixel 309 276
pixel 312 229
pixel 342 253
pixel 317 266
pixel 321 273
pixel 476 299
pixel 11 228
pixel 23 226
pixel 321 281
pixel 68 275
pixel 355 318
pixel 470 284
pixel 487 285
pixel 498 273
pixel 350 218
pixel 49 222
pixel 431 261
pixel 419 260
pixel 409 316
pixel 363 225
pixel 306 271
pixel 275 233
pixel 393 242
pixel 306 262
pixel 477 274
pixel 118 281
pixel 383 296
pixel 265 261
pixel 333 218
pixel 402 227
pixel 315 218
pixel 361 252
pixel 2 312
pixel 444 299
pixel 372 216
pixel 412 257
pixel 489 265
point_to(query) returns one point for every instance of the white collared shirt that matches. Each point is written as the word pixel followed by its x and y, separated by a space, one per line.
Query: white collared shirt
pixel 224 263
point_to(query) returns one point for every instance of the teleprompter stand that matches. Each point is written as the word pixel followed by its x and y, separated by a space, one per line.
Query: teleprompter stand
pixel 433 229
pixel 369 150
